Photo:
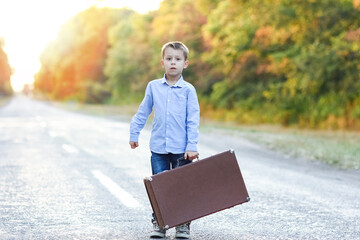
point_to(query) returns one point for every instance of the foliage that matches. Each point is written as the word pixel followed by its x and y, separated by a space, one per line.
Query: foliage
pixel 270 61
pixel 127 65
pixel 294 62
pixel 72 66
pixel 5 72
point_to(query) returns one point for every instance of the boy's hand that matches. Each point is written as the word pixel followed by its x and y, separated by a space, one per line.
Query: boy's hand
pixel 133 145
pixel 190 155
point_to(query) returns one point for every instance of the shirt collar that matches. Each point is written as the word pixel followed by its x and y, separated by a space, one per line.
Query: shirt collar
pixel 179 83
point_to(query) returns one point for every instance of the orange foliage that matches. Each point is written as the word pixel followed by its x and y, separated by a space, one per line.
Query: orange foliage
pixel 353 36
pixel 77 58
pixel 5 72
pixel 356 4
pixel 263 36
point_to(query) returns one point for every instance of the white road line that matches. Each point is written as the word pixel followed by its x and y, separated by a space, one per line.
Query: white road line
pixel 69 148
pixel 43 124
pixel 116 190
pixel 52 134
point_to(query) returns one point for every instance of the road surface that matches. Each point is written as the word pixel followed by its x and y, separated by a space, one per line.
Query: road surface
pixel 67 175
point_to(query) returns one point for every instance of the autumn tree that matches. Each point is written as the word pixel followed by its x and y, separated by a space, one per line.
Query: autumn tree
pixel 134 57
pixel 5 72
pixel 72 65
pixel 285 61
pixel 129 63
pixel 269 61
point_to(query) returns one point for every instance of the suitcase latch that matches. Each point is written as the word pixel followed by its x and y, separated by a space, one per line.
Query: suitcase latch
pixel 148 179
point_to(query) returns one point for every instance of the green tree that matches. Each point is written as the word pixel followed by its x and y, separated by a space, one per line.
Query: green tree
pixel 182 21
pixel 273 61
pixel 285 59
pixel 128 65
pixel 134 57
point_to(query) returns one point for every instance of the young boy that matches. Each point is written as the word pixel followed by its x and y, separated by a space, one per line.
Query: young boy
pixel 175 128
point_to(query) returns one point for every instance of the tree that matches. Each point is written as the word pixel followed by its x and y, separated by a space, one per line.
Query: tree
pixel 72 66
pixel 5 72
pixel 268 61
pixel 286 57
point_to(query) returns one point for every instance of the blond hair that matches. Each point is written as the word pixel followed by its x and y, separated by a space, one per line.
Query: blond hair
pixel 175 45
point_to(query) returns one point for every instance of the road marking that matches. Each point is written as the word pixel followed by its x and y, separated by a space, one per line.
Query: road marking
pixel 18 140
pixel 69 148
pixel 52 134
pixel 43 124
pixel 116 190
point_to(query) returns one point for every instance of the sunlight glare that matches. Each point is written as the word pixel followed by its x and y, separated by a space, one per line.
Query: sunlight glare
pixel 28 26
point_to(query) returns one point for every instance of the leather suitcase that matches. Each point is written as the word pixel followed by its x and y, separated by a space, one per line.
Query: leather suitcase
pixel 195 190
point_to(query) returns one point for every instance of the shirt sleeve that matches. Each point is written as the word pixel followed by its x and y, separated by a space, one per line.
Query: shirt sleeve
pixel 192 120
pixel 139 119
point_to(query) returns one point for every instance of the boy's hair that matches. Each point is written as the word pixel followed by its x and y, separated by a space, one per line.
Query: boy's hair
pixel 175 45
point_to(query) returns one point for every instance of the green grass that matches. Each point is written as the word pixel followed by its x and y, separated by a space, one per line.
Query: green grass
pixel 337 148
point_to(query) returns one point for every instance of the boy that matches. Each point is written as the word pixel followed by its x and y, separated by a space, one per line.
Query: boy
pixel 175 128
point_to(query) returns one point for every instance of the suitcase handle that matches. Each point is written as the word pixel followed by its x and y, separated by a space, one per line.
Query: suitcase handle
pixel 198 159
pixel 182 159
pixel 178 161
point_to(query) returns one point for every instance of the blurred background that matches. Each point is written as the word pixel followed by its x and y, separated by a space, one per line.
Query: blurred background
pixel 287 62
pixel 278 81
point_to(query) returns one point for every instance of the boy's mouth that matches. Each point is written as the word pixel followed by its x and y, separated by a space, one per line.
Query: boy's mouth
pixel 173 68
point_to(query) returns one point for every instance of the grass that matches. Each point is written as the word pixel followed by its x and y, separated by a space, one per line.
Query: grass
pixel 4 100
pixel 337 148
pixel 118 112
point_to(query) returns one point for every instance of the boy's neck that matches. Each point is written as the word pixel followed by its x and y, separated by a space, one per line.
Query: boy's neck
pixel 172 80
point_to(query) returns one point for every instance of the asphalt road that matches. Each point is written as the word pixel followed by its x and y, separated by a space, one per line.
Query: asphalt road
pixel 67 175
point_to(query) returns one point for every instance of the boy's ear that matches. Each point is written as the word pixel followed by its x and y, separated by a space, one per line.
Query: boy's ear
pixel 162 62
pixel 186 64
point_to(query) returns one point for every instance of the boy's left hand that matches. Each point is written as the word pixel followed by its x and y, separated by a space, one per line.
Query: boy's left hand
pixel 190 155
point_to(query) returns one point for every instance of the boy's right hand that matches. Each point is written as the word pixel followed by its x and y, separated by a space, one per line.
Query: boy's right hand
pixel 133 145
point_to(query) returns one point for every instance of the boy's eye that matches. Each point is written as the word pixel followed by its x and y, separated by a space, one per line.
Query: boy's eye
pixel 178 59
pixel 168 59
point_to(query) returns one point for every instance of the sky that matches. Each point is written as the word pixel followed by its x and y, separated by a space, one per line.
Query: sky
pixel 27 26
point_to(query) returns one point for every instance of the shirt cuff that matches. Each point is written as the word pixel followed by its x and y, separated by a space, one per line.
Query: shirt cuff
pixel 134 138
pixel 191 147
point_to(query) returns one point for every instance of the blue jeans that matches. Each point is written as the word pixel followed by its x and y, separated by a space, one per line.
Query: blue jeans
pixel 163 162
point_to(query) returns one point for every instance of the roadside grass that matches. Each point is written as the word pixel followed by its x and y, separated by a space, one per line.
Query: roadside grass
pixel 4 100
pixel 338 148
pixel 124 112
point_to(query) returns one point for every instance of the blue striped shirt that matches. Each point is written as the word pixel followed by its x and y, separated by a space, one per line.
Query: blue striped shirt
pixel 176 117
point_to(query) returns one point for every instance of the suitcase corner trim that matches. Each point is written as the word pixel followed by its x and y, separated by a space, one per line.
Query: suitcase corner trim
pixel 153 202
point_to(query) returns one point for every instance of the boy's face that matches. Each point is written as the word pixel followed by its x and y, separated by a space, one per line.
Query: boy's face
pixel 174 62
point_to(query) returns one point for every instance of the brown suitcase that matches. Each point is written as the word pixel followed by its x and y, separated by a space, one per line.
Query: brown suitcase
pixel 195 190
